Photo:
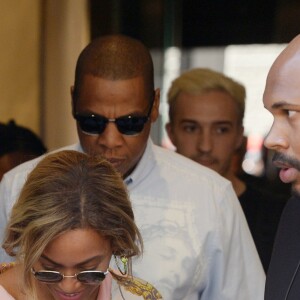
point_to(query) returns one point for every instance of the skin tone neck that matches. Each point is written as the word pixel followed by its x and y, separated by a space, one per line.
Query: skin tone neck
pixel 239 186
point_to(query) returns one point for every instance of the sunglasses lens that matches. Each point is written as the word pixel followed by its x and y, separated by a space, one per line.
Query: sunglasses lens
pixel 91 124
pixel 131 125
pixel 89 277
pixel 95 125
pixel 50 277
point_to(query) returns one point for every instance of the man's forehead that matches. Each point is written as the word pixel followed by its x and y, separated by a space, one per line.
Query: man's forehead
pixel 284 75
pixel 288 59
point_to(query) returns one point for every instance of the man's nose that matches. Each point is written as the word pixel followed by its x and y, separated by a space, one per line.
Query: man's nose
pixel 276 139
pixel 110 138
pixel 205 142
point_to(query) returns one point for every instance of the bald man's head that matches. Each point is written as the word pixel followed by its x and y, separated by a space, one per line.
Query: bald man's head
pixel 291 51
pixel 115 57
pixel 282 99
pixel 286 68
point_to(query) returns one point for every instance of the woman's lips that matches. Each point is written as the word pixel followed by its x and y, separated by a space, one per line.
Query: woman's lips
pixel 69 296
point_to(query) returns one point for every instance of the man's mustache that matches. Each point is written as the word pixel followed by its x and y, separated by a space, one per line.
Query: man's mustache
pixel 285 159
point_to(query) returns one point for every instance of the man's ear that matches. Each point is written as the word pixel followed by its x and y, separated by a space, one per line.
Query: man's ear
pixel 155 108
pixel 72 99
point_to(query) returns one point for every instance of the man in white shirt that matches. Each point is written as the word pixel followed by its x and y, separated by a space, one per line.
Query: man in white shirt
pixel 197 243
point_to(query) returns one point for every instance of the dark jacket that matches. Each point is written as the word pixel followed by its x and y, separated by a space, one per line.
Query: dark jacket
pixel 283 277
pixel 263 210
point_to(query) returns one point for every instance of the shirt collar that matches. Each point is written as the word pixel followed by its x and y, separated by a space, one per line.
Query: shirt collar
pixel 143 168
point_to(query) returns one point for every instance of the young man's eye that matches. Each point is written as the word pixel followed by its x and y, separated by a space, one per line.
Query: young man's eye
pixel 189 128
pixel 222 130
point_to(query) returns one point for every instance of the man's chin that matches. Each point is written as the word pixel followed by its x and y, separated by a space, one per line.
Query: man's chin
pixel 296 190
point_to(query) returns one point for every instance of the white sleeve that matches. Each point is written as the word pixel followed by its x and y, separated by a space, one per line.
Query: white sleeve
pixel 234 269
pixel 9 191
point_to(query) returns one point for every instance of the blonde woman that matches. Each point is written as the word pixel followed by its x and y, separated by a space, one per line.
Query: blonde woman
pixel 73 215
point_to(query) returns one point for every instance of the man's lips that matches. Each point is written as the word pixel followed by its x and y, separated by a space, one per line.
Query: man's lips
pixel 281 165
pixel 115 161
pixel 287 173
pixel 205 162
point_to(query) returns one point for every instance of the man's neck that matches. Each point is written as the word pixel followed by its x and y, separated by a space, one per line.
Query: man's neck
pixel 239 186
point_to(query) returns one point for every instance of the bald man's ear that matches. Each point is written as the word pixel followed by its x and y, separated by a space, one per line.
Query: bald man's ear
pixel 155 108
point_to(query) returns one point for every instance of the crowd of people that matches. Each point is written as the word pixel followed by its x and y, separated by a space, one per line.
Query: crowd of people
pixel 117 217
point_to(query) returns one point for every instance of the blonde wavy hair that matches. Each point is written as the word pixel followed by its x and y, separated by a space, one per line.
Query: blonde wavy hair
pixel 201 80
pixel 70 190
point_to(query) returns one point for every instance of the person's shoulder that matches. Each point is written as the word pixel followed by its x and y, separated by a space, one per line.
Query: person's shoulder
pixel 266 203
pixel 4 295
pixel 185 167
pixel 170 159
pixel 23 169
pixel 134 287
pixel 14 179
pixel 266 195
pixel 9 280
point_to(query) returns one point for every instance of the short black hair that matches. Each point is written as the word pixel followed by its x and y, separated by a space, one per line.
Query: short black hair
pixel 115 57
pixel 15 138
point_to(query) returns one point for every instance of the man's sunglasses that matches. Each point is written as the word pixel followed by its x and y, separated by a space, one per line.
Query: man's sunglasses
pixel 87 277
pixel 128 125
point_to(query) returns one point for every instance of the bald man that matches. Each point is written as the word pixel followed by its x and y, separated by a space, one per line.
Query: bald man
pixel 282 99
pixel 197 243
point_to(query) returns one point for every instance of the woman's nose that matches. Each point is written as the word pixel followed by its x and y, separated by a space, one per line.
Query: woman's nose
pixel 69 284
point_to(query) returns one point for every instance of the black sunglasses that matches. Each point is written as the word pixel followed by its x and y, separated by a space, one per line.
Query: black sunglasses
pixel 87 277
pixel 128 125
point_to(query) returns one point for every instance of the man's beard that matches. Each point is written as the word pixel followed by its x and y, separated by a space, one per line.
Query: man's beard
pixel 288 160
